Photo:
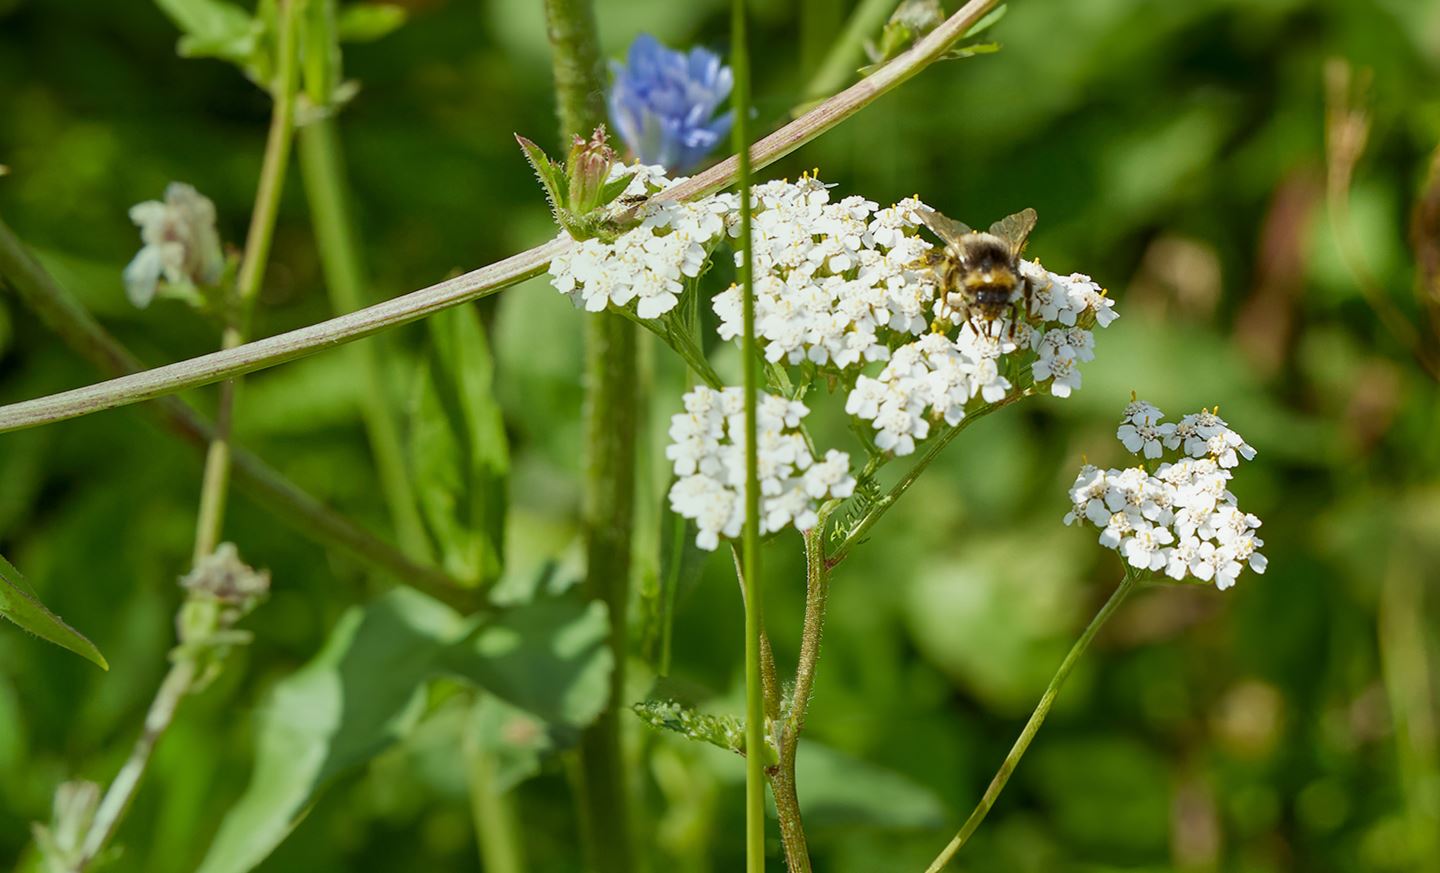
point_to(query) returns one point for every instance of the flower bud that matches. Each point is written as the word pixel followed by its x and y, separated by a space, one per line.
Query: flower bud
pixel 181 247
pixel 588 170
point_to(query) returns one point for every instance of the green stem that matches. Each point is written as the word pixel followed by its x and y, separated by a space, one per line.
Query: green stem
pixel 862 528
pixel 783 783
pixel 1037 718
pixel 496 830
pixel 849 49
pixel 322 166
pixel 258 355
pixel 611 410
pixel 754 589
pixel 127 782
pixel 216 481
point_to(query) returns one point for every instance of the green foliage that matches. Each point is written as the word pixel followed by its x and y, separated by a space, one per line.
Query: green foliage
pixel 1175 151
pixel 459 455
pixel 220 29
pixel 21 607
pixel 366 690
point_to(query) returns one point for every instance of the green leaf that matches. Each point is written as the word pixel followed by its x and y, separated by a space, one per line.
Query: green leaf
pixel 514 743
pixel 549 658
pixel 722 731
pixel 840 791
pixel 459 454
pixel 21 607
pixel 365 690
pixel 214 29
pixel 367 22
pixel 989 20
pixel 362 692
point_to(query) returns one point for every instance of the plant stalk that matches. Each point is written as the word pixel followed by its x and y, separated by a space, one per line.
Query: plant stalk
pixel 847 52
pixel 611 426
pixel 496 829
pixel 215 486
pixel 322 167
pixel 123 788
pixel 482 282
pixel 1037 718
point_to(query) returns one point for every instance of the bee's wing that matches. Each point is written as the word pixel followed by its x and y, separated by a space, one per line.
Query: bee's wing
pixel 1015 229
pixel 948 229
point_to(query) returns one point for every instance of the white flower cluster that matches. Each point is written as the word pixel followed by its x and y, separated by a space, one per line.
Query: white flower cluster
pixel 1181 518
pixel 181 244
pixel 649 263
pixel 935 377
pixel 707 449
pixel 833 280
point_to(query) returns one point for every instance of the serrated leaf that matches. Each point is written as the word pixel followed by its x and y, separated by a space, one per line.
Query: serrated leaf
pixel 722 731
pixel 459 454
pixel 24 609
pixel 365 690
pixel 367 22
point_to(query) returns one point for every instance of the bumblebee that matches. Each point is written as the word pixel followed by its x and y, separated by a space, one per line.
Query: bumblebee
pixel 979 272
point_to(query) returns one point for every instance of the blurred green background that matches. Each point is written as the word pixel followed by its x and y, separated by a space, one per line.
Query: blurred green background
pixel 1175 151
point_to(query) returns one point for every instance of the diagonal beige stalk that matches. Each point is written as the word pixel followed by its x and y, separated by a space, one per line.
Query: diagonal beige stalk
pixel 278 349
pixel 611 421
pixel 78 329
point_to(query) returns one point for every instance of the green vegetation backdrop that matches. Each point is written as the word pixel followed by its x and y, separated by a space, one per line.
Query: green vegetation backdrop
pixel 1174 150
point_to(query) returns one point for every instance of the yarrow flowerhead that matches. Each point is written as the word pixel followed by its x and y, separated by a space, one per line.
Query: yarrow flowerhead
pixel 707 450
pixel 663 103
pixel 181 245
pixel 836 283
pixel 649 263
pixel 1179 518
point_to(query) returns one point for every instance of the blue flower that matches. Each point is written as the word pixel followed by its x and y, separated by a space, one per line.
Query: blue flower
pixel 663 103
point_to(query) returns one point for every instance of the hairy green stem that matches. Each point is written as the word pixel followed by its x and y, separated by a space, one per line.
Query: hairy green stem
pixel 215 486
pixel 750 556
pixel 848 50
pixel 611 425
pixel 77 328
pixel 1037 718
pixel 881 506
pixel 491 279
pixel 322 167
pixel 783 783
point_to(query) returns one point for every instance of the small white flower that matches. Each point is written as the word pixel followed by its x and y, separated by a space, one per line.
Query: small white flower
pixel 646 265
pixel 181 244
pixel 1181 520
pixel 709 463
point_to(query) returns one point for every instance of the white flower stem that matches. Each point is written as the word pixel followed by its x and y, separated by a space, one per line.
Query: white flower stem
pixel 281 348
pixel 1037 718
